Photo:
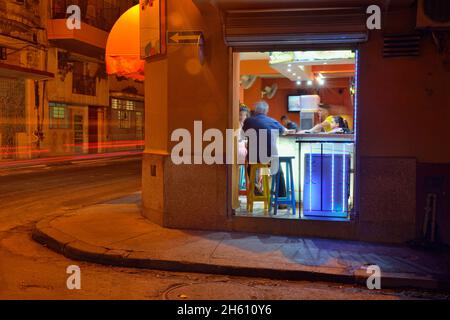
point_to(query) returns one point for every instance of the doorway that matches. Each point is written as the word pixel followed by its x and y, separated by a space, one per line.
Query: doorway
pixel 12 116
pixel 308 91
pixel 93 129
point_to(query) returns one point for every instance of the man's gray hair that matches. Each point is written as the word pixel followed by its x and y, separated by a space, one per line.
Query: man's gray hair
pixel 261 107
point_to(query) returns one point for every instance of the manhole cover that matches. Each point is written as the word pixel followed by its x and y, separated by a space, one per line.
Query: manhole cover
pixel 213 291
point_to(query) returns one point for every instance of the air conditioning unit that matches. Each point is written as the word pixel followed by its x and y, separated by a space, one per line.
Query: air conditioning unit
pixel 433 14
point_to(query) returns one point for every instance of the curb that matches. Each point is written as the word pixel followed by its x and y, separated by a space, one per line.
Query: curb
pixel 75 249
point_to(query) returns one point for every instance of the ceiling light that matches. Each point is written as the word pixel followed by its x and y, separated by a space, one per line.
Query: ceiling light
pixel 289 70
pixel 301 67
pixel 289 65
pixel 309 83
pixel 321 82
pixel 299 83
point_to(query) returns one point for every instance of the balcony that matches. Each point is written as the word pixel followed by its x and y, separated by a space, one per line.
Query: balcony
pixel 97 19
pixel 99 14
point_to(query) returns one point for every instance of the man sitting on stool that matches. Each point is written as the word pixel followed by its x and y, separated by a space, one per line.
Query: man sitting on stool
pixel 260 121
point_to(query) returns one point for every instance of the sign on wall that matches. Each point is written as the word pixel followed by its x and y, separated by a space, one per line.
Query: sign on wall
pixel 188 38
pixel 184 37
pixel 153 28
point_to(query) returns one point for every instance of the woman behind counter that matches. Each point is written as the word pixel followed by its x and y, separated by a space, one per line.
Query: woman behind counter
pixel 331 124
pixel 338 125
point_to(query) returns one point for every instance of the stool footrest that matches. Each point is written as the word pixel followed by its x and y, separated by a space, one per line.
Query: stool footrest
pixel 289 198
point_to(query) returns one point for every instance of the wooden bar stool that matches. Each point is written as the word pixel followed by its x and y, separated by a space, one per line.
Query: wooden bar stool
pixel 251 197
pixel 289 199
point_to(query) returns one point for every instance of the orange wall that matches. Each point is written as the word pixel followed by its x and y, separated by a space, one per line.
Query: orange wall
pixel 404 102
pixel 332 68
pixel 253 94
pixel 256 67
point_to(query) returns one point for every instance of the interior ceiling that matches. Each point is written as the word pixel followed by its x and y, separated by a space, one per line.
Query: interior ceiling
pixel 299 71
pixel 286 4
pixel 254 56
pixel 305 70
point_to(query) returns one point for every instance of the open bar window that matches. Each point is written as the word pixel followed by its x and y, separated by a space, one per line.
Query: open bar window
pixel 313 93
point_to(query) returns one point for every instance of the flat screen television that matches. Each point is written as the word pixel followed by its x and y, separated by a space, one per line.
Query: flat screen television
pixel 294 103
pixel 304 102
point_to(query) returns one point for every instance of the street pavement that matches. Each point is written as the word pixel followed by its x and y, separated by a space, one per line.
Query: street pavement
pixel 115 233
pixel 31 193
pixel 29 270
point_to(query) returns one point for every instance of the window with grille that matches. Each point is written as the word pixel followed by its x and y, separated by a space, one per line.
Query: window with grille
pixel 120 104
pixel 59 116
pixel 124 119
pixel 125 111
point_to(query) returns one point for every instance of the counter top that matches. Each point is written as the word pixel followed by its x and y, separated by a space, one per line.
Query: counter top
pixel 321 137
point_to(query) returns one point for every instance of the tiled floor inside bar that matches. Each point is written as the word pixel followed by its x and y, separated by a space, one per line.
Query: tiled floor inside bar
pixel 258 211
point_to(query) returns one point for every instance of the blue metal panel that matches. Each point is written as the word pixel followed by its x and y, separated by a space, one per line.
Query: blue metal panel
pixel 312 195
pixel 326 185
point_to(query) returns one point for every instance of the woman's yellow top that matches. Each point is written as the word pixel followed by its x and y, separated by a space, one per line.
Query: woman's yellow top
pixel 329 119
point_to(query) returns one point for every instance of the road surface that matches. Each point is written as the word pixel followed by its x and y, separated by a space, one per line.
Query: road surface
pixel 31 271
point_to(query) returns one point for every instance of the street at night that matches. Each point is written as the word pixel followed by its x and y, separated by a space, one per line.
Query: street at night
pixel 221 150
pixel 28 194
pixel 31 271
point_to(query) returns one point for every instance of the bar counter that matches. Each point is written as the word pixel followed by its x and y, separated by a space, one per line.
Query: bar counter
pixel 323 172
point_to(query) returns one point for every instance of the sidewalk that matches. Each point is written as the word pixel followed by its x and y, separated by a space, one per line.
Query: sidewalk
pixel 115 233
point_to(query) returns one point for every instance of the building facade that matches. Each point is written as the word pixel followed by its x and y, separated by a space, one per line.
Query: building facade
pixel 65 106
pixel 399 153
pixel 22 71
